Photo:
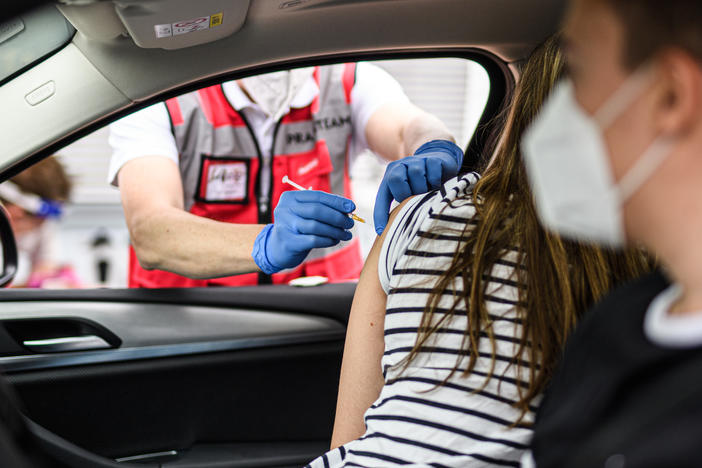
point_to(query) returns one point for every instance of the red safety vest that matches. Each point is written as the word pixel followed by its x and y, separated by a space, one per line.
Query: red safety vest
pixel 220 163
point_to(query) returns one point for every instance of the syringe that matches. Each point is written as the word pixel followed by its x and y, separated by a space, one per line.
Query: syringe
pixel 286 180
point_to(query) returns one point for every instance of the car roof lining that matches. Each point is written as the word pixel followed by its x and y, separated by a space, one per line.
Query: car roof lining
pixel 319 28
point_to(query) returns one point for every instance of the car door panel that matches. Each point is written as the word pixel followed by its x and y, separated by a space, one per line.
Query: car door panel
pixel 136 331
pixel 242 377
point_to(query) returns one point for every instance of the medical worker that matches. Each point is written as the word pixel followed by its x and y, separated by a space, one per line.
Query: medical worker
pixel 201 175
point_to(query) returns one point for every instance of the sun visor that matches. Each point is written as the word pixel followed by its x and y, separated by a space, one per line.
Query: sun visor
pixel 175 24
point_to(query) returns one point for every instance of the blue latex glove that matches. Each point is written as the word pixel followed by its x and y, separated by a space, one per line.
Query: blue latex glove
pixel 304 220
pixel 431 165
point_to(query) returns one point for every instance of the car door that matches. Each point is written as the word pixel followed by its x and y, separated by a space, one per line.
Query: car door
pixel 188 377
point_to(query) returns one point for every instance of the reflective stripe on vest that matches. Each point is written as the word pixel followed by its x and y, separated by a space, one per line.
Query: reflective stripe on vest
pixel 220 165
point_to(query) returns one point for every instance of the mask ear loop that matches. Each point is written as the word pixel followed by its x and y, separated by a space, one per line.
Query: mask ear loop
pixel 657 151
pixel 643 169
pixel 624 96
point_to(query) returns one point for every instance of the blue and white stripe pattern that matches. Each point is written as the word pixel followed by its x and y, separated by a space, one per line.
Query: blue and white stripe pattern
pixel 468 421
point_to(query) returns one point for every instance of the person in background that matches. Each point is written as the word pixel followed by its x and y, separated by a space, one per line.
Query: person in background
pixel 461 314
pixel 615 157
pixel 201 175
pixel 34 200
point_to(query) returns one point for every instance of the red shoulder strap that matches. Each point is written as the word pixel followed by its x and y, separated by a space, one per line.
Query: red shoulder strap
pixel 216 108
pixel 315 103
pixel 348 80
pixel 174 111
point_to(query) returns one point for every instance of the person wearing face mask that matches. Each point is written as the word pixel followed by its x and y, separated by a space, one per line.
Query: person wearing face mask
pixel 201 175
pixel 615 159
pixel 34 201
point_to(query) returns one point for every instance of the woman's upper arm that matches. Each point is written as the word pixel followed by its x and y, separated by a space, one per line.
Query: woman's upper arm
pixel 361 372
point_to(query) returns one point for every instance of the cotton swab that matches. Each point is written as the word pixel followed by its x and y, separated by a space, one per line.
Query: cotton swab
pixel 286 180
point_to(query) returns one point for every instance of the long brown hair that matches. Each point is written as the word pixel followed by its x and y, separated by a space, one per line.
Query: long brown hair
pixel 559 280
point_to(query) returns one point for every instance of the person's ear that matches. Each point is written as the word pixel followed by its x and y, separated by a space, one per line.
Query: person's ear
pixel 679 103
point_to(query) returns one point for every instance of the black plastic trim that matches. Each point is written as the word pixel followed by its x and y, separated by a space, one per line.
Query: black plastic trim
pixel 329 300
pixel 199 399
pixel 248 455
pixel 72 455
pixel 81 358
pixel 9 249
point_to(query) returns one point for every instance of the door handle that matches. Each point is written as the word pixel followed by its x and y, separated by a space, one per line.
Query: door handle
pixel 55 335
pixel 66 344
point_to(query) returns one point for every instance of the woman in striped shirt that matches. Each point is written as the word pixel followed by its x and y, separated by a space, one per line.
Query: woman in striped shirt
pixel 461 312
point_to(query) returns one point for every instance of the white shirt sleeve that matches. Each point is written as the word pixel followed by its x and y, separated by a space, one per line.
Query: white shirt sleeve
pixel 400 234
pixel 373 88
pixel 144 133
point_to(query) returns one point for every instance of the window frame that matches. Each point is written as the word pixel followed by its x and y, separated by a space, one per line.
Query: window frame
pixel 483 141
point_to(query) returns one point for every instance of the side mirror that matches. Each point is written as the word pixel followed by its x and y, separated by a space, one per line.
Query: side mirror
pixel 9 249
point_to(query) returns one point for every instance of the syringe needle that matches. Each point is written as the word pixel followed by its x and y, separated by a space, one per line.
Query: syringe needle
pixel 286 180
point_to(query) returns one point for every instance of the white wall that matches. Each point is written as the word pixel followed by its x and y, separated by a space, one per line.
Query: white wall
pixel 454 90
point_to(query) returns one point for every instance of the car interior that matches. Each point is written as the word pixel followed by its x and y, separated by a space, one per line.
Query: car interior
pixel 217 377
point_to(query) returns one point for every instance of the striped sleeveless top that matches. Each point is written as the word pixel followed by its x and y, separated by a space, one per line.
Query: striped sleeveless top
pixel 466 422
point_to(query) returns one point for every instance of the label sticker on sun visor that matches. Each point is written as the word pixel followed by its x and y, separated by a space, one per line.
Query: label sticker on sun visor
pixel 163 30
pixel 188 26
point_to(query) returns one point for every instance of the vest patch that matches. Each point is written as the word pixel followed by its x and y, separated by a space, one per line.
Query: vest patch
pixel 223 180
pixel 226 181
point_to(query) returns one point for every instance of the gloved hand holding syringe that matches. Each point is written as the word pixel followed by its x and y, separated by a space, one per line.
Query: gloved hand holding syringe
pixel 305 219
pixel 286 180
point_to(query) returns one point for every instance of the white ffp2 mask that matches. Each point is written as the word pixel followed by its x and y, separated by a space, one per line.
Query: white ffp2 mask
pixel 275 91
pixel 567 164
